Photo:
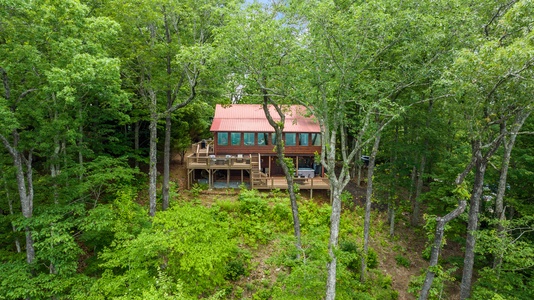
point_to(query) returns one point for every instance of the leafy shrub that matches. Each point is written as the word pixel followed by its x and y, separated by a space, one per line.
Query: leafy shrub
pixel 372 259
pixel 437 290
pixel 402 261
pixel 282 216
pixel 227 205
pixel 190 244
pixel 346 199
pixel 350 255
pixel 505 285
pixel 237 266
pixel 197 188
pixel 250 202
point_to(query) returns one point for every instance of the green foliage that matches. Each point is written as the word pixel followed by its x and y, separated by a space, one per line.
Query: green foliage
pixel 402 261
pixel 105 176
pixel 197 188
pixel 346 199
pixel 186 241
pixel 238 265
pixel 350 255
pixel 254 227
pixel 504 285
pixel 372 259
pixel 437 290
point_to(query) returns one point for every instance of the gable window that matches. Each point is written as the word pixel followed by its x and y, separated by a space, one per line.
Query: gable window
pixel 248 138
pixel 222 138
pixel 291 139
pixel 303 139
pixel 263 139
pixel 236 138
pixel 316 139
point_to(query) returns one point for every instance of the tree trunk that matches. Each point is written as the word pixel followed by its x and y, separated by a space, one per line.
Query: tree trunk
pixel 332 244
pixel 368 197
pixel 412 183
pixel 10 203
pixel 25 187
pixel 80 147
pixel 418 190
pixel 55 168
pixel 359 179
pixel 136 142
pixel 499 199
pixel 472 224
pixel 336 187
pixel 440 228
pixel 419 186
pixel 153 172
pixel 168 121
pixel 287 172
pixel 167 156
pixel 391 215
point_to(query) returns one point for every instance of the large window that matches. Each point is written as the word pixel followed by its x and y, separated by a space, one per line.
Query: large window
pixel 236 138
pixel 248 138
pixel 263 139
pixel 222 138
pixel 291 139
pixel 316 139
pixel 303 139
pixel 273 135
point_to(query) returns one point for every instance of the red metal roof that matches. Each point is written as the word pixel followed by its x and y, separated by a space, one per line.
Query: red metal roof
pixel 251 118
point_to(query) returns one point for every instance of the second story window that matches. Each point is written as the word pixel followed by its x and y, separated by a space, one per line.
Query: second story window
pixel 236 138
pixel 291 139
pixel 248 138
pixel 316 139
pixel 263 139
pixel 222 138
pixel 303 139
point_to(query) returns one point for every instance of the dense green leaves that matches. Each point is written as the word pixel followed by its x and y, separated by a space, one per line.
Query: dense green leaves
pixel 438 80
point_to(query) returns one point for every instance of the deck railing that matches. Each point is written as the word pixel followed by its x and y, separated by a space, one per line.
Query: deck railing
pixel 219 161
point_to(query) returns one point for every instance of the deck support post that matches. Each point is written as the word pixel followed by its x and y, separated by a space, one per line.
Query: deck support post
pixel 210 179
pixel 311 189
pixel 269 167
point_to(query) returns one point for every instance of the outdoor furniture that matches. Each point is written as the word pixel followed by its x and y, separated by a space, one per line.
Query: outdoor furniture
pixel 306 172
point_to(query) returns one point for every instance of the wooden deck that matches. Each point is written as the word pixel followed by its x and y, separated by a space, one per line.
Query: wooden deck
pixel 315 183
pixel 222 162
pixel 204 159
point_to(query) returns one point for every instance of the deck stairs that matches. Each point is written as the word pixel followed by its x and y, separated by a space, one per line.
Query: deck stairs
pixel 258 178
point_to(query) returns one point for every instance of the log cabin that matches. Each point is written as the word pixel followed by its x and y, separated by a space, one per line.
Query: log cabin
pixel 242 148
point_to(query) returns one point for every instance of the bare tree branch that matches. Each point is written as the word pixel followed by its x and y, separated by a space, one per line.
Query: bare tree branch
pixel 499 13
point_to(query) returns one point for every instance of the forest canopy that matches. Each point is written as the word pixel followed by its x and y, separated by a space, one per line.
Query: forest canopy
pixel 101 100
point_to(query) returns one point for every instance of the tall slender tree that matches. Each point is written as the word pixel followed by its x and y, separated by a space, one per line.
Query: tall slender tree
pixel 261 48
pixel 173 48
pixel 493 83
